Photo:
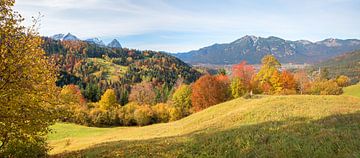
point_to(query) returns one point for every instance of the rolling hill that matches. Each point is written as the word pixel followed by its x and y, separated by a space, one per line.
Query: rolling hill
pixel 268 126
pixel 347 64
pixel 252 49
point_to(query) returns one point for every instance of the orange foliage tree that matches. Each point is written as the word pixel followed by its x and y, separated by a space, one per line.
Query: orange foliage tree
pixel 207 91
pixel 288 82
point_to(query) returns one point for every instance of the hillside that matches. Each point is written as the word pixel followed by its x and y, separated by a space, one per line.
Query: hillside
pixel 90 65
pixel 347 64
pixel 353 90
pixel 269 126
pixel 252 49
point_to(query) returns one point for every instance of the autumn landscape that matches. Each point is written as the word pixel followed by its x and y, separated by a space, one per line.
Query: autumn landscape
pixel 179 78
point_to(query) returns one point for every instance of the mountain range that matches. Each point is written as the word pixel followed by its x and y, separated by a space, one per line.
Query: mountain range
pixel 70 37
pixel 252 49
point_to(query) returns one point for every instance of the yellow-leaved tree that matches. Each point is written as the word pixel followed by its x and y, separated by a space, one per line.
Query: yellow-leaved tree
pixel 27 88
pixel 108 99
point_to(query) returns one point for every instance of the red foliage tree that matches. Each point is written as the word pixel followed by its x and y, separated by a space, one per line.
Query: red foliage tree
pixel 208 91
pixel 245 73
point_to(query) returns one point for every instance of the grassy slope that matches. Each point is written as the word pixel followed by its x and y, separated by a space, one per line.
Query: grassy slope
pixel 113 71
pixel 275 126
pixel 353 90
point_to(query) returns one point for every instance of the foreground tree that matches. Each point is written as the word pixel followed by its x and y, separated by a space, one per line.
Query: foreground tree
pixel 208 91
pixel 27 88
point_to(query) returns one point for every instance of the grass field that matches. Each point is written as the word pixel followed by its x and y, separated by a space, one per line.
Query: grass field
pixel 272 126
pixel 353 90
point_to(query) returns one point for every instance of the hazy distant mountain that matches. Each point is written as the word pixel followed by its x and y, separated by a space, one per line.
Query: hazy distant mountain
pixel 114 44
pixel 96 41
pixel 252 49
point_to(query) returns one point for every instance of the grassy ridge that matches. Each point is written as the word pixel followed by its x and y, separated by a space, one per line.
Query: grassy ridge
pixel 275 126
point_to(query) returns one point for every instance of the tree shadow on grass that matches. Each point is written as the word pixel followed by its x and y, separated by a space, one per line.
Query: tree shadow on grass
pixel 332 136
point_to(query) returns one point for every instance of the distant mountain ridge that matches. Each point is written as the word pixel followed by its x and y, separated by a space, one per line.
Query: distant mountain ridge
pixel 97 41
pixel 252 49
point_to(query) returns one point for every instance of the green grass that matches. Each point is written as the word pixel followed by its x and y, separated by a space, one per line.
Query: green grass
pixel 272 126
pixel 112 71
pixel 353 90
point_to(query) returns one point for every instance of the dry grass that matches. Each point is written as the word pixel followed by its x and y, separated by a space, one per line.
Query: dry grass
pixel 292 125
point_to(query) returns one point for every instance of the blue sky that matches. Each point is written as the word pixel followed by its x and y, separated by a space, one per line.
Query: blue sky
pixel 184 25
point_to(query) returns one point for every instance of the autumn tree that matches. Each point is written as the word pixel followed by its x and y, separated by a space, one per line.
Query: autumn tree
pixel 143 93
pixel 108 99
pixel 241 82
pixel 302 81
pixel 71 94
pixel 182 99
pixel 288 82
pixel 208 91
pixel 27 88
pixel 269 65
pixel 343 81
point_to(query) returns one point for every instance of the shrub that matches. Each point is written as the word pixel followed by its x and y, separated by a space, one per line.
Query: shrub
pixel 161 112
pixel 175 114
pixel 126 114
pixel 343 81
pixel 143 115
pixel 326 87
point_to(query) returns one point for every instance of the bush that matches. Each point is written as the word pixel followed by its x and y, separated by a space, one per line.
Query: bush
pixel 161 112
pixel 126 113
pixel 326 87
pixel 143 115
pixel 175 114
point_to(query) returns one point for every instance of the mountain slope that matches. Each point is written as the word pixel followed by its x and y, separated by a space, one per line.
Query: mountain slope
pixel 252 49
pixel 271 126
pixel 347 64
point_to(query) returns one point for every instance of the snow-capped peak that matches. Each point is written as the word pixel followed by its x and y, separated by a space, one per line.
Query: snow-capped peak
pixel 96 41
pixel 58 36
pixel 114 44
pixel 70 37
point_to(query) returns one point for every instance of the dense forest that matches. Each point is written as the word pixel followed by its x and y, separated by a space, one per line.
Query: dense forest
pixel 96 68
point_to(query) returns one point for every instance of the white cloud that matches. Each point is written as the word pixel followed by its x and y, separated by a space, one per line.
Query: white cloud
pixel 119 18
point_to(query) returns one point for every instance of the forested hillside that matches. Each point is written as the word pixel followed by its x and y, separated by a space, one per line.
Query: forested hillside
pixel 96 68
pixel 347 64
